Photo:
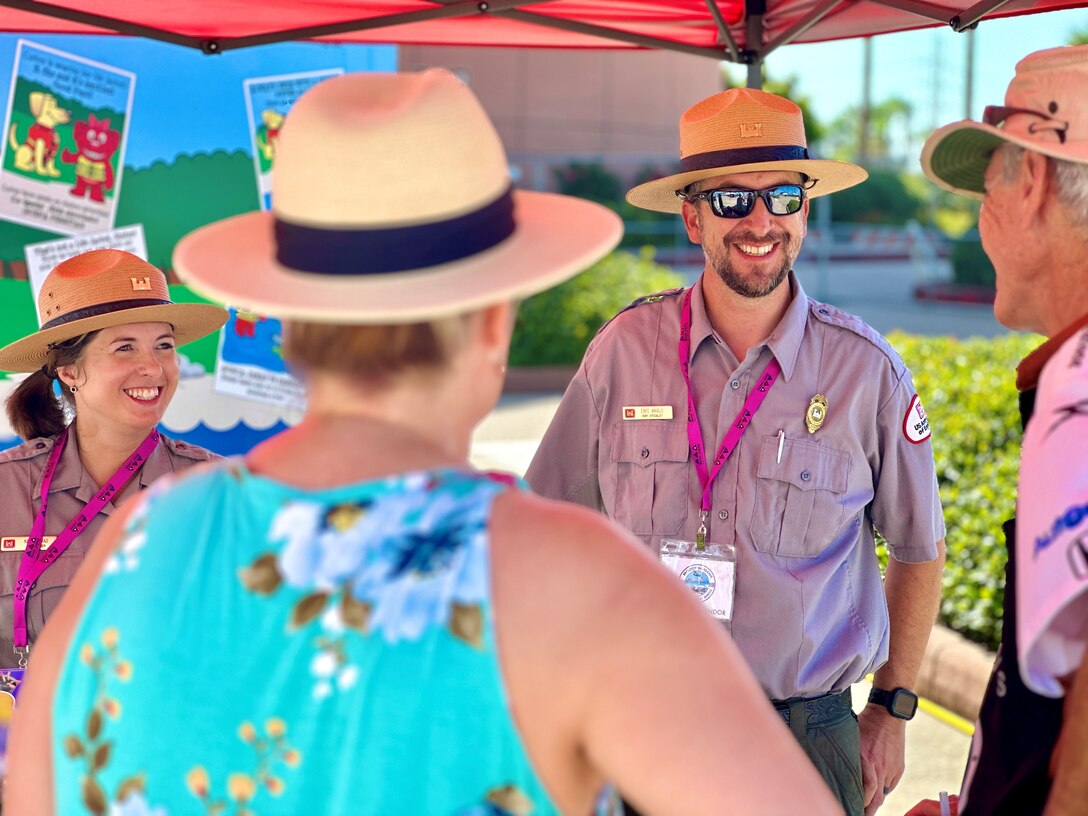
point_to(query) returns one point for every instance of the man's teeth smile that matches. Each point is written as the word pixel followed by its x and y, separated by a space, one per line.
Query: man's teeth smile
pixel 143 394
pixel 753 249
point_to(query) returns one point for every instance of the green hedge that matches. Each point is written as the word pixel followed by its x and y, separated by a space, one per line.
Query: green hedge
pixel 969 393
pixel 555 326
pixel 970 264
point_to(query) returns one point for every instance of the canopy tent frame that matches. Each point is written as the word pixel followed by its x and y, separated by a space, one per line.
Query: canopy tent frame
pixel 726 48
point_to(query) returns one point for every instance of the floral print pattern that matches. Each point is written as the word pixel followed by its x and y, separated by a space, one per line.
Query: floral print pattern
pixel 244 789
pixel 92 748
pixel 376 597
pixel 392 566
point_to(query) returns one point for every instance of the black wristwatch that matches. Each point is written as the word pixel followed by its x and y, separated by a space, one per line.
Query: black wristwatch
pixel 899 702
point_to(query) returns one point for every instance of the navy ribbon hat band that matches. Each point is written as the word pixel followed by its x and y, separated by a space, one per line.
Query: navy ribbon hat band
pixel 742 155
pixel 103 308
pixel 321 251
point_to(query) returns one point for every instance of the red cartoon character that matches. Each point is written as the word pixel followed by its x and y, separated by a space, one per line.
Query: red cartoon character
pixel 97 143
pixel 245 323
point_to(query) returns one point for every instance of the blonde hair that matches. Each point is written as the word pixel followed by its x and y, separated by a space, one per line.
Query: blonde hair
pixel 373 353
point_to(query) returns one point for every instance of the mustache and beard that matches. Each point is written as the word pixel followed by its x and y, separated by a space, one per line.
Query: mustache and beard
pixel 753 284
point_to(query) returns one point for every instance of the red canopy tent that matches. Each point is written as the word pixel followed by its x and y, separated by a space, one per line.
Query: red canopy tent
pixel 743 31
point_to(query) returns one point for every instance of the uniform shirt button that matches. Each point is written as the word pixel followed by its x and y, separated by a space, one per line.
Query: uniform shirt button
pixel 723 514
pixel 735 384
pixel 645 453
pixel 40 445
pixel 805 475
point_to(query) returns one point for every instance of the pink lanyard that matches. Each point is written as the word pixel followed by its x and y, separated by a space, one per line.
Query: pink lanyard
pixel 35 560
pixel 736 430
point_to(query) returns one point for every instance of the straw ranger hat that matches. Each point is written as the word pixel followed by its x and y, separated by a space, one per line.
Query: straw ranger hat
pixel 391 203
pixel 99 289
pixel 743 130
pixel 1045 110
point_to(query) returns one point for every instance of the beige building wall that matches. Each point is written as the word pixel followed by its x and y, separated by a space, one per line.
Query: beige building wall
pixel 552 106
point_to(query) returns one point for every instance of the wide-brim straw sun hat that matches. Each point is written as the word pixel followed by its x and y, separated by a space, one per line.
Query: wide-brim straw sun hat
pixel 392 203
pixel 1045 110
pixel 100 289
pixel 743 130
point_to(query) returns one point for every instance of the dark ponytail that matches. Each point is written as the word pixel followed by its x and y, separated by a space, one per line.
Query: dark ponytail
pixel 33 408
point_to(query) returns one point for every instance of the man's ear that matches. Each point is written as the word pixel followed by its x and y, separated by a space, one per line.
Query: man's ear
pixel 1037 181
pixel 691 223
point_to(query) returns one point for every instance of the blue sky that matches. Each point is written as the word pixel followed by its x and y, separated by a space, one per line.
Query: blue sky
pixel 926 67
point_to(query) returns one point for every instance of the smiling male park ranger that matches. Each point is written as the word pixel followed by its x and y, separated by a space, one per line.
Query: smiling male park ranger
pixel 754 438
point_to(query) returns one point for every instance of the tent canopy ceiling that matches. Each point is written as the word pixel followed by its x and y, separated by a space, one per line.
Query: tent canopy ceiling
pixel 738 30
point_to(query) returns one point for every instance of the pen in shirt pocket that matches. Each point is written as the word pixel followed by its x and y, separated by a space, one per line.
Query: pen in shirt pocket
pixel 781 441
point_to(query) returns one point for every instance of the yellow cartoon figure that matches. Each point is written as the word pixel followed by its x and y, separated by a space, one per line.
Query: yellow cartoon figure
pixel 38 154
pixel 268 133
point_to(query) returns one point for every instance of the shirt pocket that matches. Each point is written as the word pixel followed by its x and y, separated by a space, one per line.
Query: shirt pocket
pixel 799 504
pixel 650 459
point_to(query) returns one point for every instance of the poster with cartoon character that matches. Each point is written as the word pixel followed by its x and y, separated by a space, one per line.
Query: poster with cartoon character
pixel 64 141
pixel 250 363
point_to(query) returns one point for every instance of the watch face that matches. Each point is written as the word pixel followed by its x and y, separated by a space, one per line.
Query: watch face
pixel 904 704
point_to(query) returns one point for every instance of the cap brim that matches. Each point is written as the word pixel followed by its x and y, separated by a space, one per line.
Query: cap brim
pixel 234 261
pixel 660 195
pixel 955 157
pixel 191 321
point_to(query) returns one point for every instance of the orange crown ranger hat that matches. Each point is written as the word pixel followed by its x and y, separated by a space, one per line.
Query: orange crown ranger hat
pixel 743 130
pixel 99 289
pixel 1045 110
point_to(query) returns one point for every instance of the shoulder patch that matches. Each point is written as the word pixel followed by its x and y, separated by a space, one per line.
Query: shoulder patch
pixel 915 423
pixel 187 451
pixel 843 320
pixel 28 450
pixel 642 301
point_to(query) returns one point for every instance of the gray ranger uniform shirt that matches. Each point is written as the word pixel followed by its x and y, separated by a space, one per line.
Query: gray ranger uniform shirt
pixel 72 487
pixel 810 615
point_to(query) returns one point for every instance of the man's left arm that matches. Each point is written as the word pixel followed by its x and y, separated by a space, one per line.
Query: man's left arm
pixel 1069 763
pixel 913 593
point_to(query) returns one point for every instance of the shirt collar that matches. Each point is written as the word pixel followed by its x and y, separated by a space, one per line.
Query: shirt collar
pixel 70 474
pixel 1027 373
pixel 784 342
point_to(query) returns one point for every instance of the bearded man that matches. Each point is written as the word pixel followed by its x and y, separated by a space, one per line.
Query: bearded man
pixel 757 439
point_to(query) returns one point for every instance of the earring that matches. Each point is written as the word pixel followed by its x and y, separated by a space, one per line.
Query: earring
pixel 72 388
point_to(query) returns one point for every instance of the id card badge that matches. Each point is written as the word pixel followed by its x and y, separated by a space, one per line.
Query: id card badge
pixel 10 680
pixel 711 573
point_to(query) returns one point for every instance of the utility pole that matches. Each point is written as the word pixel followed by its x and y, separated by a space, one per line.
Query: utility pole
pixel 865 120
pixel 969 89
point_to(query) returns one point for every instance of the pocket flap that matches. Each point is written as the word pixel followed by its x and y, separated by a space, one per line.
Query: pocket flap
pixel 805 465
pixel 647 441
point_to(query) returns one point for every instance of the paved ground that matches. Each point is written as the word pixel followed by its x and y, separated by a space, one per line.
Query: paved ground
pixel 881 293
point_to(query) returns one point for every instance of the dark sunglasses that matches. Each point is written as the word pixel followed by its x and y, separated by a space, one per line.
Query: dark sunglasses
pixel 782 199
pixel 995 116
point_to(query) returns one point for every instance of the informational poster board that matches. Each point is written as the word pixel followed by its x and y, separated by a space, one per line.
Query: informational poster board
pixel 64 140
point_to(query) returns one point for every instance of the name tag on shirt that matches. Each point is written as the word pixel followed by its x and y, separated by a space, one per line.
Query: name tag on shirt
pixel 647 412
pixel 18 543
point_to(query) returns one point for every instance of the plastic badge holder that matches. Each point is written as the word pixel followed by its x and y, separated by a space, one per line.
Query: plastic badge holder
pixel 711 573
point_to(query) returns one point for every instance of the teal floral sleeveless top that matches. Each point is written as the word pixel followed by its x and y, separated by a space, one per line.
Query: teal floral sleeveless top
pixel 254 649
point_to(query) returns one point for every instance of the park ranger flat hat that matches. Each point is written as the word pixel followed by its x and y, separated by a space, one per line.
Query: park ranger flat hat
pixel 743 130
pixel 99 289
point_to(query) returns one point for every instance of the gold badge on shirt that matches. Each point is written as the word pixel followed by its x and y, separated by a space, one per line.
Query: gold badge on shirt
pixel 647 412
pixel 816 413
pixel 18 543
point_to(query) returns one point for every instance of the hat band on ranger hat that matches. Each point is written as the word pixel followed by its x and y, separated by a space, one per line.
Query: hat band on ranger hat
pixel 101 309
pixel 742 155
pixel 385 250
